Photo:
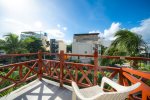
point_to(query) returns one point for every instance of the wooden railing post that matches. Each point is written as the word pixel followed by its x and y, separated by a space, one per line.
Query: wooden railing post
pixel 40 64
pixel 95 66
pixel 120 80
pixel 20 72
pixel 61 56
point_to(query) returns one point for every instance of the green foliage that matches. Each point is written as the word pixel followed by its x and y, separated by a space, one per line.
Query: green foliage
pixel 75 61
pixel 69 48
pixel 128 42
pixel 103 48
pixel 15 76
pixel 144 66
pixel 33 44
pixel 92 62
pixel 99 78
pixel 6 83
pixel 12 44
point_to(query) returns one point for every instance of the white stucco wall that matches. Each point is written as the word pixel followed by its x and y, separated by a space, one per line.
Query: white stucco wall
pixel 82 48
pixel 62 46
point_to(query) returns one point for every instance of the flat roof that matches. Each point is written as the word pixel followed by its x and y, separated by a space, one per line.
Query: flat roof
pixel 80 34
pixel 29 32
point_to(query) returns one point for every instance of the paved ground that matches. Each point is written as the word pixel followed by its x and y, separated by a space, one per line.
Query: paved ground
pixel 40 90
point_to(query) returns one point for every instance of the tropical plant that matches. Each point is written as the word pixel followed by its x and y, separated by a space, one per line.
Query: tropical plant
pixel 128 42
pixel 69 48
pixel 33 44
pixel 12 45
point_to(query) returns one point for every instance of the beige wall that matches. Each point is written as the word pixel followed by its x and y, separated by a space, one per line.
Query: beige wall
pixel 62 46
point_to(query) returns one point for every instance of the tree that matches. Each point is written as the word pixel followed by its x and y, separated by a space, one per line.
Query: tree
pixel 12 45
pixel 69 48
pixel 129 42
pixel 33 44
pixel 103 48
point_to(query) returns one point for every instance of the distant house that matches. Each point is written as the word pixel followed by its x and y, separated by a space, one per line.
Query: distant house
pixel 57 45
pixel 148 47
pixel 86 44
pixel 38 34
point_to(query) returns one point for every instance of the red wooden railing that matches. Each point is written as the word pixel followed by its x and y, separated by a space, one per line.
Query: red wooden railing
pixel 64 72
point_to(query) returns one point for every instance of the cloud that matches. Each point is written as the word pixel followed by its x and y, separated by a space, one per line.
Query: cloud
pixel 58 34
pixel 108 35
pixel 95 31
pixel 110 32
pixel 58 25
pixel 143 29
pixel 38 24
pixel 55 33
pixel 16 26
pixel 67 41
pixel 61 27
pixel 12 25
pixel 64 28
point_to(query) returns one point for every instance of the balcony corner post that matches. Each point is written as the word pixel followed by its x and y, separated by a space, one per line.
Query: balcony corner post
pixel 40 64
pixel 95 66
pixel 61 57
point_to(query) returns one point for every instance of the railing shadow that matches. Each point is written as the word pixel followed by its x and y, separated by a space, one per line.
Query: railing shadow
pixel 45 91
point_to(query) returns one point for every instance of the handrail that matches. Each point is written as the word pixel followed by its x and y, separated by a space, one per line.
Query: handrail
pixel 143 87
pixel 16 64
pixel 15 55
pixel 125 57
pixel 137 72
pixel 64 71
pixel 47 53
pixel 82 55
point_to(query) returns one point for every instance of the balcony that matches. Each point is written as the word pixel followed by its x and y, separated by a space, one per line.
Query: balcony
pixel 50 79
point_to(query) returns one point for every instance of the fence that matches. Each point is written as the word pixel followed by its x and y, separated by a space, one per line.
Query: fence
pixel 64 72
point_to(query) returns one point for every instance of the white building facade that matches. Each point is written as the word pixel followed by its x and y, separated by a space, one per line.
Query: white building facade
pixel 57 45
pixel 61 46
pixel 86 44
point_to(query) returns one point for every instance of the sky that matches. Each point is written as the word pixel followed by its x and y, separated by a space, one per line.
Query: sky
pixel 63 18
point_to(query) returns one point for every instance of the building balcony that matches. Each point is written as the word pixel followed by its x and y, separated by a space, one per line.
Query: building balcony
pixel 45 79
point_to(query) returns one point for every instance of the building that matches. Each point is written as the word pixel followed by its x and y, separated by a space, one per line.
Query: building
pixel 57 45
pixel 148 47
pixel 86 44
pixel 37 34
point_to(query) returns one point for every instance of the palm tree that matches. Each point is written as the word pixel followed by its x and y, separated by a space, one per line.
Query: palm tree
pixel 128 42
pixel 12 45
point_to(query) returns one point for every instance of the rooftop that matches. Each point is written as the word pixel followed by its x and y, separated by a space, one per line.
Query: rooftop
pixel 82 34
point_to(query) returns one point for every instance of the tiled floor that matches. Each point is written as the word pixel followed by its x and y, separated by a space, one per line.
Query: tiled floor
pixel 41 90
